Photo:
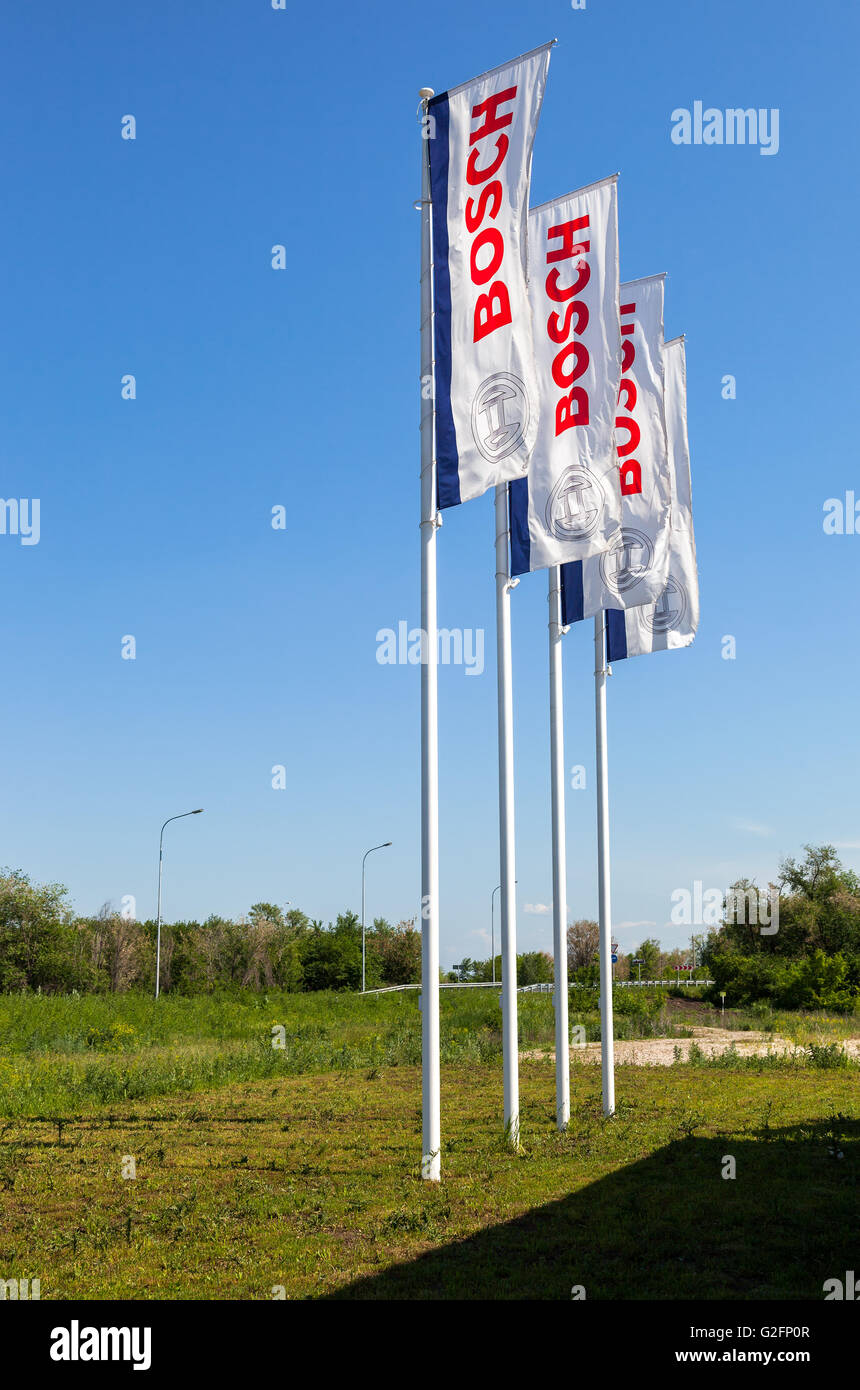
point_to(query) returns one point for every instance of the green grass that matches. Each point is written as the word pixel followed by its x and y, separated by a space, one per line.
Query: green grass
pixel 310 1183
pixel 59 1053
pixel 260 1168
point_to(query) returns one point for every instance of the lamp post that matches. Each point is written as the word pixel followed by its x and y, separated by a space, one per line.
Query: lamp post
pixel 493 926
pixel 363 955
pixel 160 860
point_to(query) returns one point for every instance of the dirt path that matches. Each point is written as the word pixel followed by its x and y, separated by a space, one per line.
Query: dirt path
pixel 661 1052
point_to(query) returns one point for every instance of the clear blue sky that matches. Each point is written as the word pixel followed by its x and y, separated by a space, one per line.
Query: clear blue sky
pixel 255 388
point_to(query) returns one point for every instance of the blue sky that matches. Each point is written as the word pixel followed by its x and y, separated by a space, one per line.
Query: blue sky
pixel 258 388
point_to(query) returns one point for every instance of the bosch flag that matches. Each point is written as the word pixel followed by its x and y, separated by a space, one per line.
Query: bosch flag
pixel 672 621
pixel 635 567
pixel 480 144
pixel 569 505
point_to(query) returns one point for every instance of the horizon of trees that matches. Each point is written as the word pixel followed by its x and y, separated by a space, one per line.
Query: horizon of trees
pixel 814 956
pixel 812 960
pixel 45 946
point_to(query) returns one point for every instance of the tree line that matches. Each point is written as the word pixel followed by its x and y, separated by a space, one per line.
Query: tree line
pixel 45 946
pixel 583 945
pixel 812 960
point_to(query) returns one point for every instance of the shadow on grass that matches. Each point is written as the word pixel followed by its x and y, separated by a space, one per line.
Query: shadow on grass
pixel 669 1227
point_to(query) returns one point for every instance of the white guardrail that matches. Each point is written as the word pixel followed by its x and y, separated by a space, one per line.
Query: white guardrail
pixel 546 988
pixel 618 984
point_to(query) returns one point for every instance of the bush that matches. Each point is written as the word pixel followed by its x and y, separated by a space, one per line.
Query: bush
pixel 115 1038
pixel 817 981
pixel 748 978
pixel 828 1056
pixel 637 1003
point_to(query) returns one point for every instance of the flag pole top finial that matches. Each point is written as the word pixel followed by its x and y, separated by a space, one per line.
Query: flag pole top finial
pixel 426 93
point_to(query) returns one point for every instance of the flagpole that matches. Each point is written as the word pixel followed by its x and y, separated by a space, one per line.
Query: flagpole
pixel 431 1117
pixel 507 866
pixel 559 859
pixel 607 1051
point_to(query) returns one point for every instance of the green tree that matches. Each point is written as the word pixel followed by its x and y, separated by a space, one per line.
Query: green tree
pixel 464 970
pixel 265 914
pixel 331 957
pixel 37 937
pixel 397 950
pixel 819 909
pixel 649 953
pixel 819 875
pixel 534 968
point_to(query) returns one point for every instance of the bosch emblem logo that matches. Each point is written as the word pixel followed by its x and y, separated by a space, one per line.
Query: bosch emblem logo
pixel 500 416
pixel 670 609
pixel 575 505
pixel 627 561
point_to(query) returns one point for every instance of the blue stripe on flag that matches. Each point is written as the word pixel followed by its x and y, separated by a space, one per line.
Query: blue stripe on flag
pixel 616 634
pixel 447 470
pixel 572 593
pixel 518 502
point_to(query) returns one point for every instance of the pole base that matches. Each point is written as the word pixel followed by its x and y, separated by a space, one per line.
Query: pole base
pixel 431 1168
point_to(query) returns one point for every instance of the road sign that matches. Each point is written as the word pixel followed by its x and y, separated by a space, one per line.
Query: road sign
pixel 614 960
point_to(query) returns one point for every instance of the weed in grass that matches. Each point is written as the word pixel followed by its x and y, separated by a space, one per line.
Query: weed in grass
pixel 690 1122
pixel 10 1165
pixel 765 1126
pixel 835 1133
pixel 827 1056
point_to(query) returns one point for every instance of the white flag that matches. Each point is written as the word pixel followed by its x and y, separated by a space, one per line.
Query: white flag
pixel 673 620
pixel 481 137
pixel 569 505
pixel 635 567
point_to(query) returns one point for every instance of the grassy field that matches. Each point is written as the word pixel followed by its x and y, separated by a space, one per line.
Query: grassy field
pixel 294 1169
pixel 60 1052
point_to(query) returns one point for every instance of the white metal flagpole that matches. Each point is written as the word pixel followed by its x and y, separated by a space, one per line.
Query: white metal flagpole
pixel 559 858
pixel 504 583
pixel 607 1051
pixel 431 1116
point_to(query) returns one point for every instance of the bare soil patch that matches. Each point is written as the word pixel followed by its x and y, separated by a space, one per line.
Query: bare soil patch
pixel 663 1052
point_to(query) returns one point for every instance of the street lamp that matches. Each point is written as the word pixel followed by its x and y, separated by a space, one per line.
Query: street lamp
pixel 160 859
pixel 363 956
pixel 493 926
pixel 493 929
